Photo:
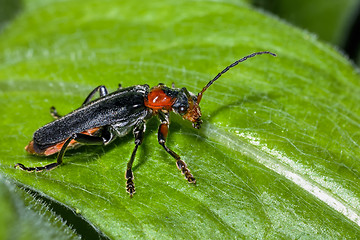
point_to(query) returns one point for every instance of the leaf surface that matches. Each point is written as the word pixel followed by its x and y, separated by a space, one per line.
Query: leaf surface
pixel 277 156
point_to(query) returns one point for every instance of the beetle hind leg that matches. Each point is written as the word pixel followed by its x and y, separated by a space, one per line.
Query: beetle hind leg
pixel 79 137
pixel 50 166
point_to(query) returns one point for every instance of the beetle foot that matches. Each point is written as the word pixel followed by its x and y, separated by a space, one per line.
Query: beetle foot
pixel 48 167
pixel 184 170
pixel 28 169
pixel 22 167
pixel 130 187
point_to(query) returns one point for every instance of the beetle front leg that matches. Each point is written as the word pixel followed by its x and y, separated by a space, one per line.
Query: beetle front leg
pixel 162 135
pixel 129 176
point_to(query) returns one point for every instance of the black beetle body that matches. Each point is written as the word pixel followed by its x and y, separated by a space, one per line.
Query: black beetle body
pixel 100 121
pixel 118 112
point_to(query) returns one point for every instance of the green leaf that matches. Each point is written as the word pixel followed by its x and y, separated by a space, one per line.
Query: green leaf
pixel 33 221
pixel 277 157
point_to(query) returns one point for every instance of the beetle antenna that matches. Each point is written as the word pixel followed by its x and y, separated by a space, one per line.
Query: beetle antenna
pixel 199 96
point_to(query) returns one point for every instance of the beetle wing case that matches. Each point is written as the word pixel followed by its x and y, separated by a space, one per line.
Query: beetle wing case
pixel 122 108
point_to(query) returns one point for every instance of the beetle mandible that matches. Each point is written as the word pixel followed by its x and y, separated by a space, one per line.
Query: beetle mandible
pixel 100 121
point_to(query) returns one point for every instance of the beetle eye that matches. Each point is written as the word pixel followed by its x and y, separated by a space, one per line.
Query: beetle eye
pixel 182 110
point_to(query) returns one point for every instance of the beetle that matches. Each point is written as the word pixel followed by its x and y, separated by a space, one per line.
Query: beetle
pixel 100 121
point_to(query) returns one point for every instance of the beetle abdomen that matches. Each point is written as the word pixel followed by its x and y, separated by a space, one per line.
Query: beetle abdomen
pixel 47 150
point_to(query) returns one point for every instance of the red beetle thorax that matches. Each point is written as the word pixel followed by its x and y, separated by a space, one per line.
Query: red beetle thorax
pixel 157 99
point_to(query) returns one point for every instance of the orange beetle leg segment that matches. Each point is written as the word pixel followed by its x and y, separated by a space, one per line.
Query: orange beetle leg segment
pixel 163 130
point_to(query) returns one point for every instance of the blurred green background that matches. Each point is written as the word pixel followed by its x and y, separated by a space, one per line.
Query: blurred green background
pixel 333 21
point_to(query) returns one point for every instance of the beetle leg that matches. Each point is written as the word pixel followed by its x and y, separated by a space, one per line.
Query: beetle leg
pixel 129 176
pixel 102 91
pixel 51 165
pixel 54 113
pixel 79 137
pixel 162 135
